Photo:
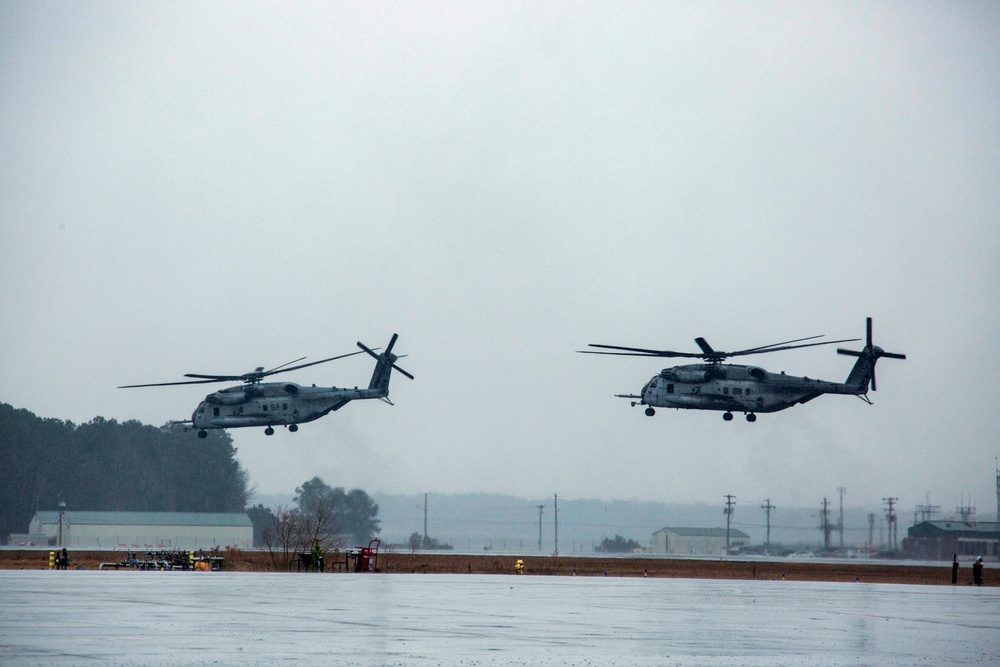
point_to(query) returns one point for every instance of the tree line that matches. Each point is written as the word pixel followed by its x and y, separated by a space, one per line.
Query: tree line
pixel 104 465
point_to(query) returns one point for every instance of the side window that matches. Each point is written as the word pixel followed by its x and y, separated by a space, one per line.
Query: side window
pixel 670 388
pixel 725 390
pixel 215 411
pixel 749 391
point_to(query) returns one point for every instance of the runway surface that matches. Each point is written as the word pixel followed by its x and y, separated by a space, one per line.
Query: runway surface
pixel 194 618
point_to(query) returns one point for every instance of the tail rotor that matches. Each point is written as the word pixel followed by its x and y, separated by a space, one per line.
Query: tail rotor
pixel 864 369
pixel 385 363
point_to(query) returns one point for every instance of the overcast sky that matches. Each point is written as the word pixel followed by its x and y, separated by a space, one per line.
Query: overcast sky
pixel 210 187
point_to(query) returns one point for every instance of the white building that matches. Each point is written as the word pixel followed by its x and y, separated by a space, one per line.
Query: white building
pixel 697 541
pixel 144 530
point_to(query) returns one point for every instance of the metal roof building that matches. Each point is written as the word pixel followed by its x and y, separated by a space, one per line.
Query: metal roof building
pixel 141 530
pixel 940 540
pixel 696 541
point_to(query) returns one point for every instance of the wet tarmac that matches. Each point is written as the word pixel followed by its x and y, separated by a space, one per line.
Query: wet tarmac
pixel 188 618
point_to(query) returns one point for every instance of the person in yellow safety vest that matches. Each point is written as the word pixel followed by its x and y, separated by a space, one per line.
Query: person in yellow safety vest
pixel 519 566
pixel 317 556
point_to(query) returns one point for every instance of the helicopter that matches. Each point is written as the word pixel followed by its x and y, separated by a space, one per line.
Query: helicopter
pixel 730 388
pixel 270 404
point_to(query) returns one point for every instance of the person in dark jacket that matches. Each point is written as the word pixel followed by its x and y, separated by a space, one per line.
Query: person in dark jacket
pixel 977 572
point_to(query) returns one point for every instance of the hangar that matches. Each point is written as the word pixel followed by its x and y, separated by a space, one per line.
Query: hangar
pixel 697 541
pixel 940 540
pixel 161 530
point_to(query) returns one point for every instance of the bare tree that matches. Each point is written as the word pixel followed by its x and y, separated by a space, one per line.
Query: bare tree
pixel 281 538
pixel 318 523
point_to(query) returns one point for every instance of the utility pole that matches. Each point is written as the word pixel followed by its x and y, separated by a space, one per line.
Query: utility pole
pixel 540 508
pixel 891 517
pixel 825 526
pixel 927 511
pixel 840 524
pixel 966 512
pixel 871 531
pixel 767 507
pixel 998 489
pixel 425 520
pixel 555 500
pixel 62 511
pixel 729 515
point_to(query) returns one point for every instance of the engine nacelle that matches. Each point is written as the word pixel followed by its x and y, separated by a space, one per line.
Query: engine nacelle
pixel 691 375
pixel 226 398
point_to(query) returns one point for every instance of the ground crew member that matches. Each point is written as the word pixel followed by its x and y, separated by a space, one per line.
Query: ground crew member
pixel 317 556
pixel 977 572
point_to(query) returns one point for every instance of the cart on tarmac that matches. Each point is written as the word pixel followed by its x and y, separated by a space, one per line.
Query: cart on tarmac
pixel 363 559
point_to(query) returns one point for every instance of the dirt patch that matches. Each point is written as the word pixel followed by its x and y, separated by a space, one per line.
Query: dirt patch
pixel 256 561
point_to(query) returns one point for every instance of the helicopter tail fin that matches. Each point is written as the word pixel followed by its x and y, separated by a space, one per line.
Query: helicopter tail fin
pixel 384 364
pixel 863 372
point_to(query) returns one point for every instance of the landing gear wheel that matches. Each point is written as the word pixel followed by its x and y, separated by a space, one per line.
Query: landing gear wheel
pixel 270 431
pixel 728 416
pixel 293 428
pixel 751 417
pixel 650 412
pixel 203 433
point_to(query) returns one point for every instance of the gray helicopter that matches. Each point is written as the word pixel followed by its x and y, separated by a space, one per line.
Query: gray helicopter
pixel 733 388
pixel 270 404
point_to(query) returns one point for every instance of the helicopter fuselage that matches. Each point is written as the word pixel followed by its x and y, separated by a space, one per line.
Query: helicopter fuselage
pixel 274 404
pixel 734 388
pixel 269 404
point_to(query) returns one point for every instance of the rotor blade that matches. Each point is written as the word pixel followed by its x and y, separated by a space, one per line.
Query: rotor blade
pixel 215 378
pixel 403 372
pixel 168 384
pixel 787 342
pixel 639 351
pixel 874 388
pixel 366 349
pixel 625 354
pixel 392 341
pixel 283 365
pixel 705 347
pixel 850 353
pixel 893 355
pixel 868 327
pixel 311 363
pixel 786 347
